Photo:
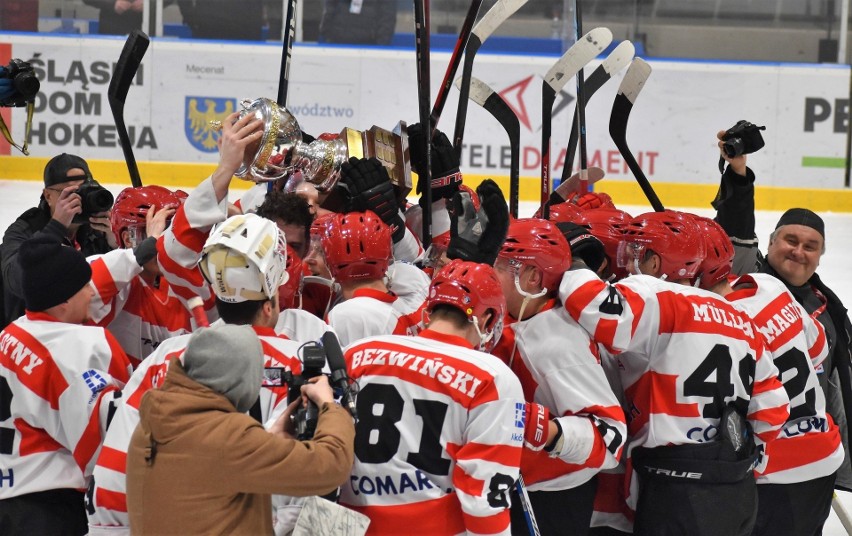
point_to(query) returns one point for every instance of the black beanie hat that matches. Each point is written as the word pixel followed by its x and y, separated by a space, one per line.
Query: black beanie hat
pixel 52 273
pixel 802 216
pixel 56 170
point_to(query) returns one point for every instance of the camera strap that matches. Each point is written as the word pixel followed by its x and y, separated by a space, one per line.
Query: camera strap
pixel 721 165
pixel 8 135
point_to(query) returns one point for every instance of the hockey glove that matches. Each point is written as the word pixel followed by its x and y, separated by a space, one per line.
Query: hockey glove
pixel 584 245
pixel 536 426
pixel 592 200
pixel 446 177
pixel 476 235
pixel 365 185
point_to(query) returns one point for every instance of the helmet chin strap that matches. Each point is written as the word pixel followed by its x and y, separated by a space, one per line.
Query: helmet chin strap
pixel 483 338
pixel 527 297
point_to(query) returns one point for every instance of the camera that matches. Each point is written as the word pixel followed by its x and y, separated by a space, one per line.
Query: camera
pixel 313 362
pixel 18 84
pixel 95 199
pixel 742 138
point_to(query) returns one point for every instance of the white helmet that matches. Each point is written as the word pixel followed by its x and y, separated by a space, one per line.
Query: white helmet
pixel 244 259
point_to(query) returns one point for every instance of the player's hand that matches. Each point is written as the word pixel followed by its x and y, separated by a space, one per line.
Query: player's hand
pixel 737 163
pixel 365 185
pixel 446 177
pixel 235 138
pixel 318 391
pixel 476 234
pixel 67 206
pixel 536 426
pixel 156 221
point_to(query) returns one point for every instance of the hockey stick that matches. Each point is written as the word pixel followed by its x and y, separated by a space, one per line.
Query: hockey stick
pixel 421 26
pixel 618 59
pixel 631 85
pixel 580 53
pixel 529 515
pixel 287 53
pixel 486 97
pixel 841 512
pixel 125 70
pixel 489 22
pixel 455 59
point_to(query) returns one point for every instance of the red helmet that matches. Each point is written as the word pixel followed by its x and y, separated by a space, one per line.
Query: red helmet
pixel 606 224
pixel 566 212
pixel 357 245
pixel 132 205
pixel 291 288
pixel 719 253
pixel 538 243
pixel 672 235
pixel 474 289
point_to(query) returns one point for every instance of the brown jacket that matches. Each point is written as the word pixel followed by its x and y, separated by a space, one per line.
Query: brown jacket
pixel 196 466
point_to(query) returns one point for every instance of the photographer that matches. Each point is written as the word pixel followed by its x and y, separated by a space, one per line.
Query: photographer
pixel 793 255
pixel 199 414
pixel 62 213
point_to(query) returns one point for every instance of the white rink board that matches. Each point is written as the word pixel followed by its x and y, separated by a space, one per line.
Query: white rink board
pixel 671 130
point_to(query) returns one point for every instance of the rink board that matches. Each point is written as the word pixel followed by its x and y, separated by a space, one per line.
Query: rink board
pixel 182 85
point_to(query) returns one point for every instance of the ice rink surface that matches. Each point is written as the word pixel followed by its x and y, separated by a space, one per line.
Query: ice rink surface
pixel 18 196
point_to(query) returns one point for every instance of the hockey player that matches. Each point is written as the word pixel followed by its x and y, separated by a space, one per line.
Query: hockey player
pixel 57 379
pixel 244 258
pixel 357 250
pixel 441 425
pixel 796 472
pixel 583 425
pixel 132 299
pixel 693 368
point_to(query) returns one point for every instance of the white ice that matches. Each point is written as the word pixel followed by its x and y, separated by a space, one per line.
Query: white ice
pixel 18 196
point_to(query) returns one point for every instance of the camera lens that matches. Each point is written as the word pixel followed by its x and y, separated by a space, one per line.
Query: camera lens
pixel 100 200
pixel 733 147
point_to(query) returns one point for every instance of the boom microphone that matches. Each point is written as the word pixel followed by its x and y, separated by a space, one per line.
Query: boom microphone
pixel 339 377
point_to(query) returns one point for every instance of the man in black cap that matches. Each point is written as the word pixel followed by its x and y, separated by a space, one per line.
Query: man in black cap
pixel 795 248
pixel 58 380
pixel 55 216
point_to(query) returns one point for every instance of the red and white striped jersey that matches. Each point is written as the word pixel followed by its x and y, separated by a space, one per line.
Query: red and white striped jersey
pixel 368 313
pixel 808 445
pixel 139 315
pixel 558 367
pixel 684 353
pixel 179 248
pixel 439 436
pixel 57 382
pixel 107 494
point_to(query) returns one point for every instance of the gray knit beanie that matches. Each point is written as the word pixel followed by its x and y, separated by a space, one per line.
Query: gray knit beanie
pixel 229 360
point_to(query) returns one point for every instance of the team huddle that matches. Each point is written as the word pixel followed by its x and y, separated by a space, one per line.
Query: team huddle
pixel 588 373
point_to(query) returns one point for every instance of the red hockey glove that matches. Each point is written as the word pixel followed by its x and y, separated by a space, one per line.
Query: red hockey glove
pixel 591 200
pixel 536 426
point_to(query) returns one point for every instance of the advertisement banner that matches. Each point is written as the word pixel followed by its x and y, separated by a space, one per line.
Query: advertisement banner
pixel 183 85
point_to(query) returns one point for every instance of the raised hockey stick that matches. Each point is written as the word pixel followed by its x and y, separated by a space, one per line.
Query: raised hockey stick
pixel 125 70
pixel 489 22
pixel 582 52
pixel 486 97
pixel 631 85
pixel 455 59
pixel 287 53
pixel 618 59
pixel 421 27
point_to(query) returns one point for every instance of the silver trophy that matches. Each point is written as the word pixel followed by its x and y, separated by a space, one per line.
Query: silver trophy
pixel 281 151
